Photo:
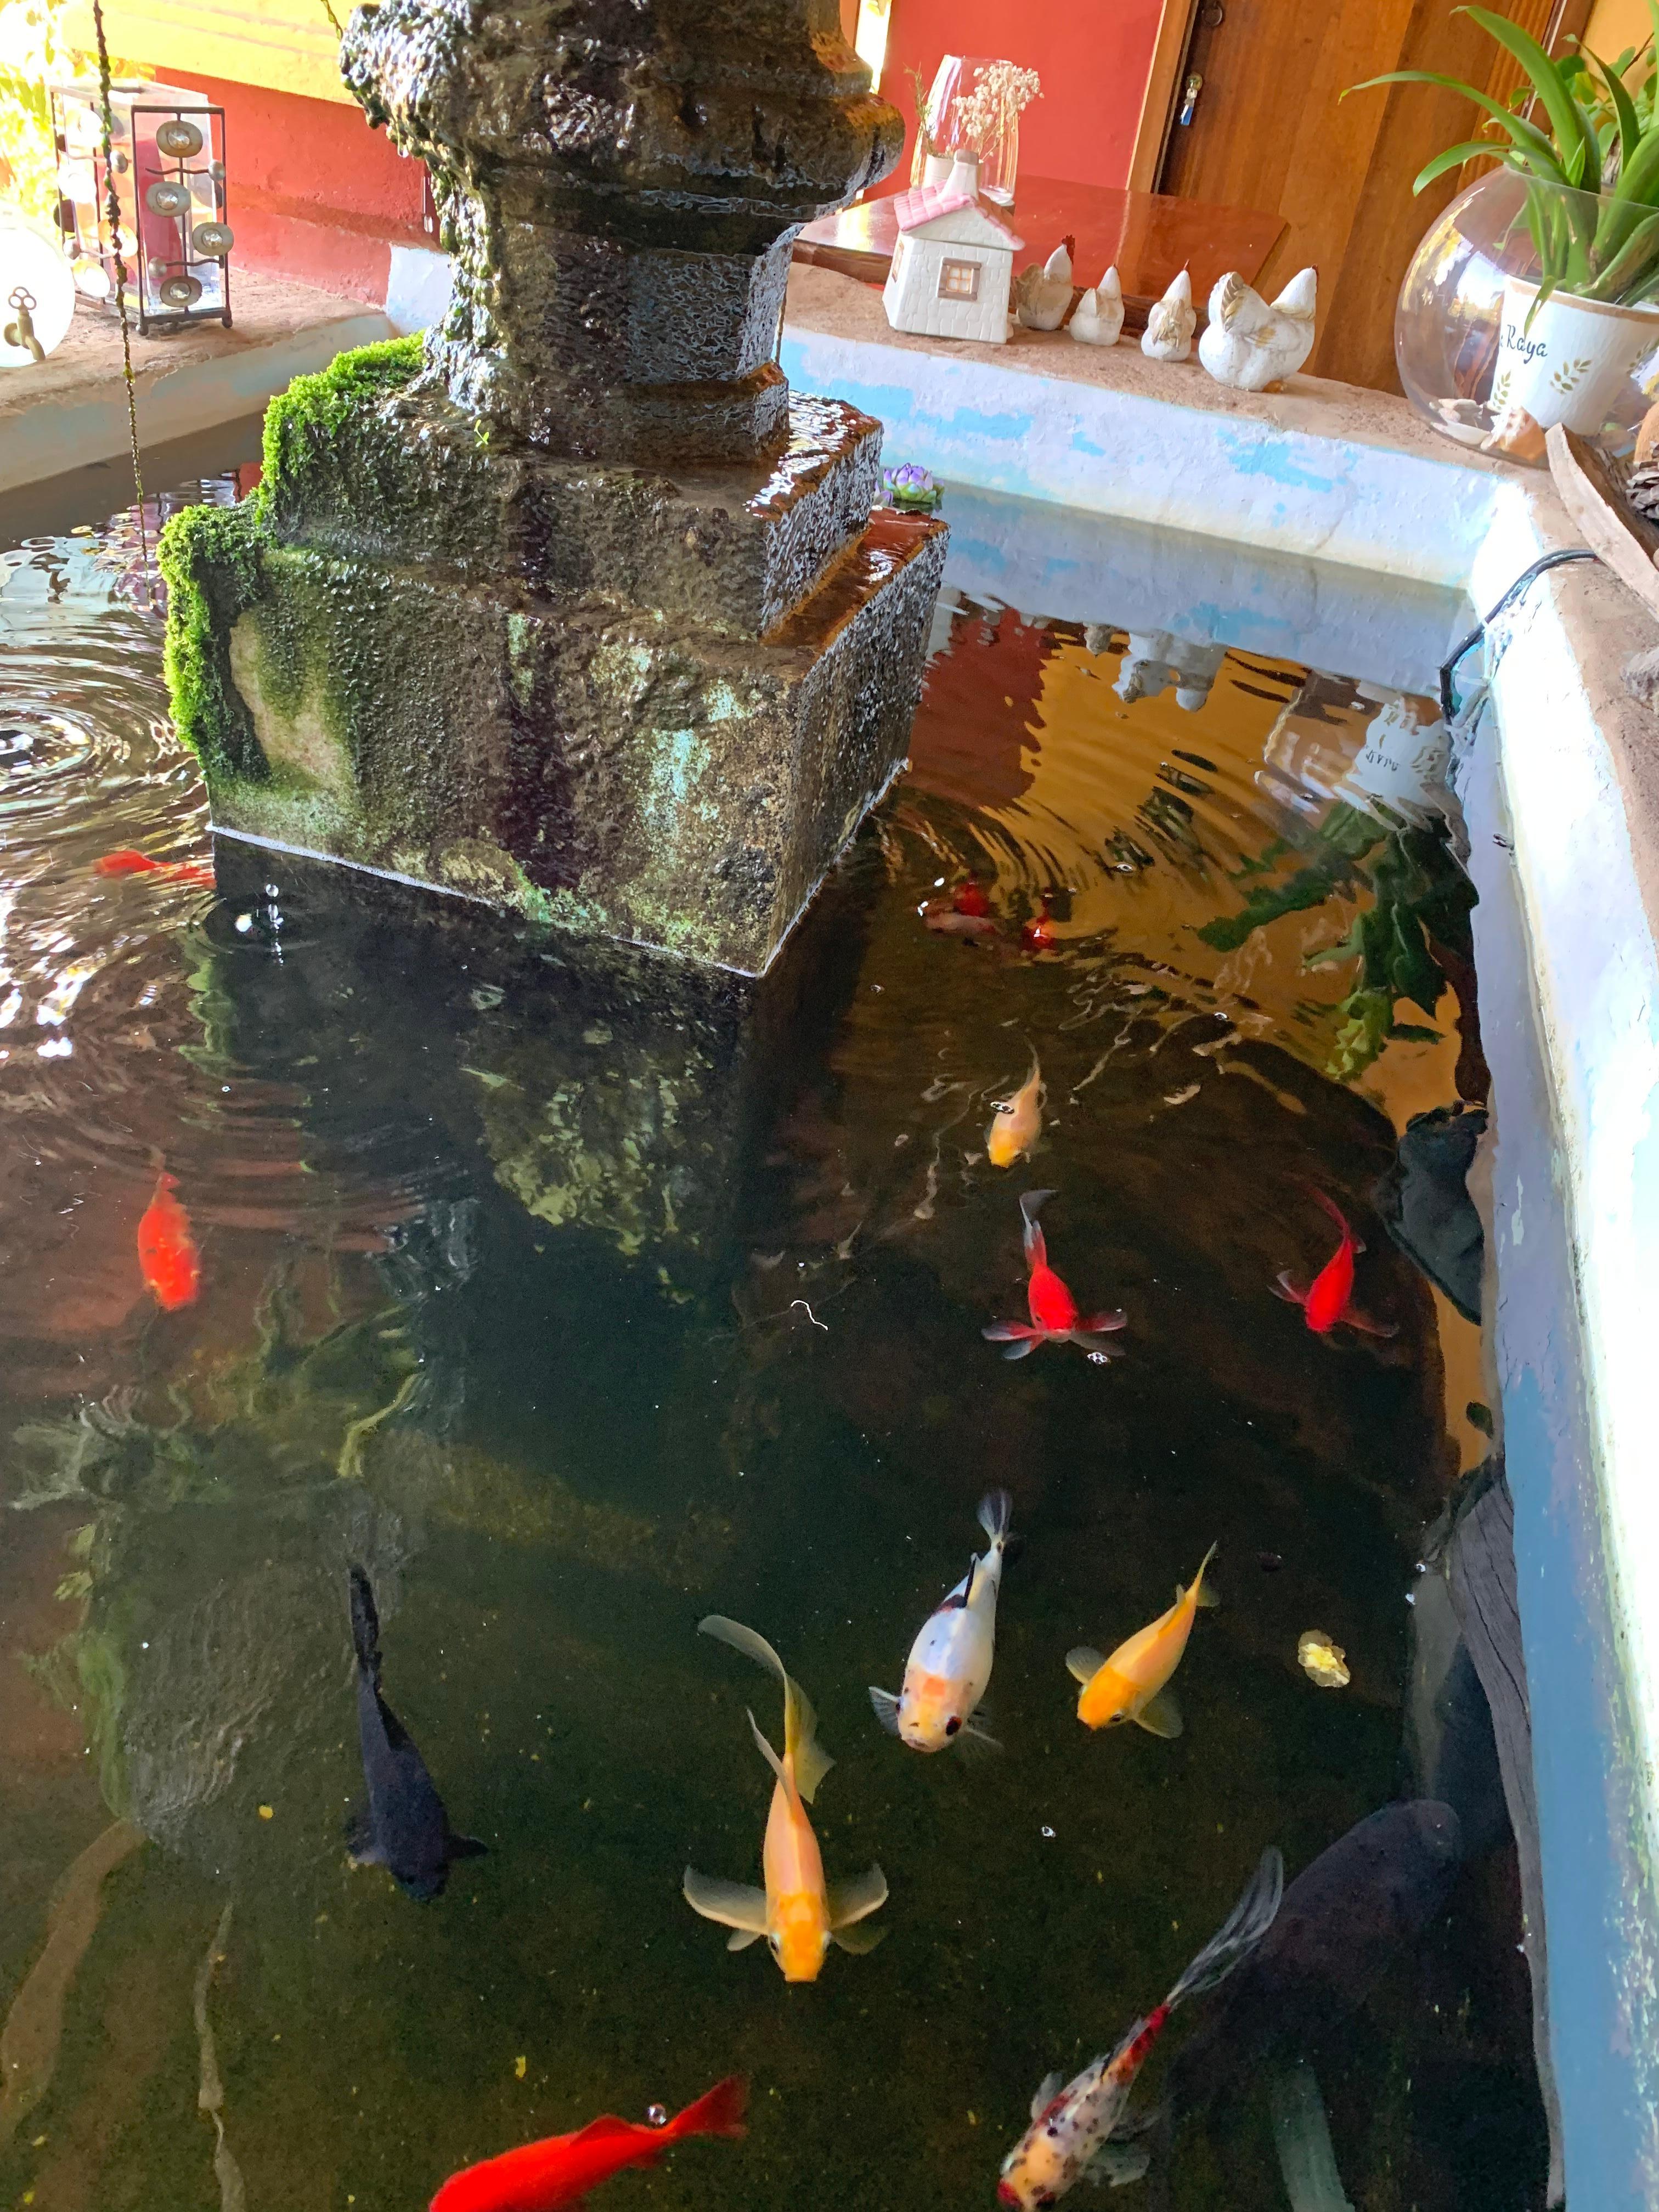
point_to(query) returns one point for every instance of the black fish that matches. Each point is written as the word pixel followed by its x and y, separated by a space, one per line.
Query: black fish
pixel 1424 1202
pixel 404 1827
pixel 1342 1922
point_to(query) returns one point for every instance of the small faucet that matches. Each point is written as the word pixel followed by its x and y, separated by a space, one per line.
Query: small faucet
pixel 21 332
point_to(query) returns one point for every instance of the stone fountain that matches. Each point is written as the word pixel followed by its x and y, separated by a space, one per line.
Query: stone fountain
pixel 575 608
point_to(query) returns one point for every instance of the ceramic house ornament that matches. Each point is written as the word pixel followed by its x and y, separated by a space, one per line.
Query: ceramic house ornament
pixel 1253 346
pixel 953 266
pixel 1042 295
pixel 1099 316
pixel 1170 322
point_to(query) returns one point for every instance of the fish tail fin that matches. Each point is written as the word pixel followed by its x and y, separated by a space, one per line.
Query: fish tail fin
pixel 718 2111
pixel 1238 1934
pixel 365 1625
pixel 1323 1199
pixel 1037 1248
pixel 1202 1594
pixel 996 1511
pixel 807 1759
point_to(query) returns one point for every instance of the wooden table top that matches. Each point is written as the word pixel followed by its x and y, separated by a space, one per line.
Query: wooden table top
pixel 1150 235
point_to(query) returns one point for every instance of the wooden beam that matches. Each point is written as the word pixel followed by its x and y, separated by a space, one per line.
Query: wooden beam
pixel 1158 103
pixel 285 45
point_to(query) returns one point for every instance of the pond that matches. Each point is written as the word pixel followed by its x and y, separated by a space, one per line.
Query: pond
pixel 575 1295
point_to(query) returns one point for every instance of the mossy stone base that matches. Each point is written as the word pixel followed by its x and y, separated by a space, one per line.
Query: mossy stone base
pixel 601 769
pixel 400 473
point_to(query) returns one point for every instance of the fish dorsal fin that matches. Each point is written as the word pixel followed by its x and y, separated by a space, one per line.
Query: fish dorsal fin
pixel 772 1758
pixel 964 1596
pixel 1047 2090
pixel 607 2124
pixel 801 1747
pixel 1085 1662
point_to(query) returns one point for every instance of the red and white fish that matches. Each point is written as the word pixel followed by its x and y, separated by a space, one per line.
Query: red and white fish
pixel 950 1662
pixel 1326 1300
pixel 540 2177
pixel 799 1914
pixel 1074 2134
pixel 1054 1317
pixel 167 1257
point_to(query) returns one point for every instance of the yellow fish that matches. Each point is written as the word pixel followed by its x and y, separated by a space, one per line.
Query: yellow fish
pixel 1018 1121
pixel 798 1912
pixel 1129 1686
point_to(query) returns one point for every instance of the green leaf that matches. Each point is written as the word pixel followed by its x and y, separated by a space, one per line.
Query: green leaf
pixel 1467 149
pixel 1631 266
pixel 1624 108
pixel 1559 104
pixel 1527 138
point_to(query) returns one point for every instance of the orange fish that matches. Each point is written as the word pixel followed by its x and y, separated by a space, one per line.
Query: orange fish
pixel 1325 1302
pixel 1054 1317
pixel 1130 1685
pixel 127 862
pixel 969 897
pixel 167 1257
pixel 540 2177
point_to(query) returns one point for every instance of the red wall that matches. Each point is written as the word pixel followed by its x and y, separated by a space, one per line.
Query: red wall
pixel 314 193
pixel 1092 55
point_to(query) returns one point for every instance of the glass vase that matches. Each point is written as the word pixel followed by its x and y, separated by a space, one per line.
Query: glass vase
pixel 1525 306
pixel 996 141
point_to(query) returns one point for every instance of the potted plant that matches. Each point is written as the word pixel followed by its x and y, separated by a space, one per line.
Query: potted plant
pixel 1581 315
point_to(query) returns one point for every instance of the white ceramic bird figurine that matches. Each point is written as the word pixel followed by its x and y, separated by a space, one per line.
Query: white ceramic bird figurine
pixel 1170 322
pixel 1099 316
pixel 1042 295
pixel 1251 346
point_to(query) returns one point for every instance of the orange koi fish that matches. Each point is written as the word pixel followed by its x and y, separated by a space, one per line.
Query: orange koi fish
pixel 1071 2137
pixel 1129 1686
pixel 127 862
pixel 1054 1317
pixel 798 1912
pixel 1038 934
pixel 1325 1301
pixel 540 2177
pixel 1017 1122
pixel 969 897
pixel 167 1257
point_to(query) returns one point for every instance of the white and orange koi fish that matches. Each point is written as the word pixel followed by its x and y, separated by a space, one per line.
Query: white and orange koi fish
pixel 799 1914
pixel 950 1662
pixel 1130 1684
pixel 1074 2132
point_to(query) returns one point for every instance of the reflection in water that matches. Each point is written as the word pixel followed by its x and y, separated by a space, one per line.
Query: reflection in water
pixel 569 1297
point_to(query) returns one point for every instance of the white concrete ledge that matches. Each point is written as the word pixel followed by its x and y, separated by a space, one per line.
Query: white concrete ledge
pixel 72 409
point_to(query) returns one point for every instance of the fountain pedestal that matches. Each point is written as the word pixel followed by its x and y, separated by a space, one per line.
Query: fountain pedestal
pixel 576 609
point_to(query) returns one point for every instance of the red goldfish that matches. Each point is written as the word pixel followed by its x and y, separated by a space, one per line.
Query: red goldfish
pixel 971 898
pixel 1054 1317
pixel 129 863
pixel 540 2177
pixel 1325 1302
pixel 167 1257
pixel 1038 935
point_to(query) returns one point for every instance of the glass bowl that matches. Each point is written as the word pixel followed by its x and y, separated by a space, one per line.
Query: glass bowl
pixel 1492 356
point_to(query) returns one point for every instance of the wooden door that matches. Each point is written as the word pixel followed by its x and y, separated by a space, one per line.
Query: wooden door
pixel 1268 129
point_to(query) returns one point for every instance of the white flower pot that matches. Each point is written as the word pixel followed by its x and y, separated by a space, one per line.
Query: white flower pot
pixel 1569 364
pixel 936 169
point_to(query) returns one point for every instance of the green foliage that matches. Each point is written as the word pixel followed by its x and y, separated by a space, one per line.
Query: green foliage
pixel 315 408
pixel 210 561
pixel 1600 124
pixel 1420 897
pixel 30 55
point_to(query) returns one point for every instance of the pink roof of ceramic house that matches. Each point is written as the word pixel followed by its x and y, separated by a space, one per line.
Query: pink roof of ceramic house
pixel 926 204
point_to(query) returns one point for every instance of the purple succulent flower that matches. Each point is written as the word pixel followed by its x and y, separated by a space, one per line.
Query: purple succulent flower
pixel 908 485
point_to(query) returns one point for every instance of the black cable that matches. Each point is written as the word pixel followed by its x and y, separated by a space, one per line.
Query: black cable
pixel 1447 704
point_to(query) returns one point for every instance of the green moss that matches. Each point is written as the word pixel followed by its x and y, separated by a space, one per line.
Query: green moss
pixel 315 409
pixel 211 560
